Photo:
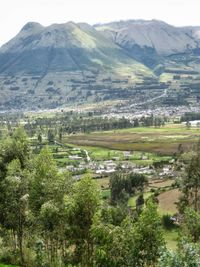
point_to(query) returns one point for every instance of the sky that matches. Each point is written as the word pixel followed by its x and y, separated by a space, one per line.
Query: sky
pixel 14 14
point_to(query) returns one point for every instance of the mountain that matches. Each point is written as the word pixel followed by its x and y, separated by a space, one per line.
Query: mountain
pixel 160 36
pixel 150 41
pixel 47 67
pixel 61 63
pixel 60 47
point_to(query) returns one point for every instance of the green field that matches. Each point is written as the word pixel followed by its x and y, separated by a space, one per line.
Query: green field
pixel 4 265
pixel 163 141
pixel 171 238
pixel 132 200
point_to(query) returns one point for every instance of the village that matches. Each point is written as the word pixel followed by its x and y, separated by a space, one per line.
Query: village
pixel 79 161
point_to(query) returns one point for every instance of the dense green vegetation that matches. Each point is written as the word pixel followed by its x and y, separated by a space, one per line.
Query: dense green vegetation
pixel 47 218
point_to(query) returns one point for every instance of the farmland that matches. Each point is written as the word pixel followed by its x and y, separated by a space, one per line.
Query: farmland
pixel 163 141
pixel 168 200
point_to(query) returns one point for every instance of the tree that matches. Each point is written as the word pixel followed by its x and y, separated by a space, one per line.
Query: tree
pixel 191 185
pixel 50 136
pixel 180 149
pixel 86 200
pixel 148 236
pixel 112 245
pixel 40 138
pixel 14 176
pixel 187 256
pixel 139 202
pixel 43 179
pixel 120 186
pixel 191 225
pixel 15 206
pixel 138 182
pixel 130 243
pixel 60 134
pixel 48 189
pixel 15 147
pixel 123 185
pixel 188 125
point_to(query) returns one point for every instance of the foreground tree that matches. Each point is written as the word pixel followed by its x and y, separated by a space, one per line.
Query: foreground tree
pixel 188 255
pixel 148 236
pixel 112 243
pixel 16 147
pixel 44 176
pixel 131 243
pixel 191 184
pixel 85 204
pixel 15 207
pixel 191 225
pixel 14 176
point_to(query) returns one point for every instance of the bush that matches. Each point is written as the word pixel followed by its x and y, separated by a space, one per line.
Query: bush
pixel 9 257
pixel 157 193
pixel 152 190
pixel 167 222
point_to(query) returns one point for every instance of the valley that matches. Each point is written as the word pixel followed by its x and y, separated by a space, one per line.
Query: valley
pixel 100 145
pixel 66 65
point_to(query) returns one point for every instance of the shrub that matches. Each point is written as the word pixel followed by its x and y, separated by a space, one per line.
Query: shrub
pixel 167 222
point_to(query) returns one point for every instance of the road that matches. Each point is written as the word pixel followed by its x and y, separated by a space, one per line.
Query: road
pixel 150 100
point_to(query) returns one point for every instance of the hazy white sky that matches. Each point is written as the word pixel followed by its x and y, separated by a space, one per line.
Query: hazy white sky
pixel 15 13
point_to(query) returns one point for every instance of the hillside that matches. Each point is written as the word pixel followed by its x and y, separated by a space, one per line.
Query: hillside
pixel 73 63
pixel 151 41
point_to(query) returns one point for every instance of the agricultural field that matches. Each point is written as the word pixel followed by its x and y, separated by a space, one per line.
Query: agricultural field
pixel 168 200
pixel 167 195
pixel 162 141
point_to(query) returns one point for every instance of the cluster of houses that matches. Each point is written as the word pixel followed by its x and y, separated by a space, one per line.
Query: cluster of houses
pixel 125 111
pixel 106 167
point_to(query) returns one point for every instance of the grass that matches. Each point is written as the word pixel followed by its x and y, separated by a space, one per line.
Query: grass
pixel 162 141
pixel 165 77
pixel 98 153
pixel 5 265
pixel 132 200
pixel 161 183
pixel 171 239
pixel 103 182
pixel 168 200
pixel 105 193
pixel 101 153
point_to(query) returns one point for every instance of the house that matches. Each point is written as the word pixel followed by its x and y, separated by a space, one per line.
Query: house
pixel 74 157
pixel 143 157
pixel 127 154
pixel 195 123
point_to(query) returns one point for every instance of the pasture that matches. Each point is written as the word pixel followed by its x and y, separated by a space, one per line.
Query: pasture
pixel 161 141
pixel 168 200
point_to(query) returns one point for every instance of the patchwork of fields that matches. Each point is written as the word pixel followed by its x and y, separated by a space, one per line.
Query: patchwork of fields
pixel 164 141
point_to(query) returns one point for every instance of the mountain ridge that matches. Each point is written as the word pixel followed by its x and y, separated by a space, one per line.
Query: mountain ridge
pixel 77 62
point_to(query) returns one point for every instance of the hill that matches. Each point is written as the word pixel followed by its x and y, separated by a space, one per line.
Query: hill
pixel 59 64
pixel 151 41
pixel 73 63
